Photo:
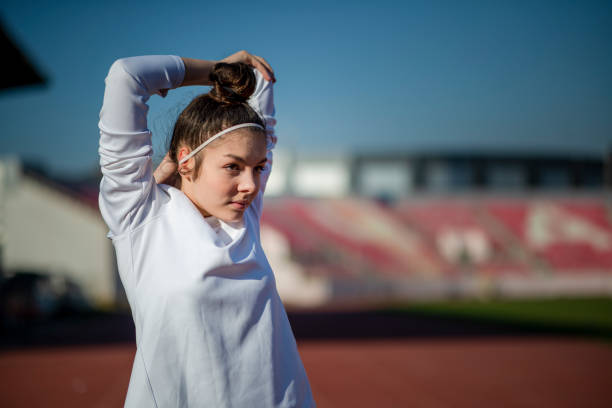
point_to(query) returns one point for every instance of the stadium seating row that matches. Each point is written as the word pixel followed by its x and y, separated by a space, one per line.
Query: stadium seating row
pixel 356 237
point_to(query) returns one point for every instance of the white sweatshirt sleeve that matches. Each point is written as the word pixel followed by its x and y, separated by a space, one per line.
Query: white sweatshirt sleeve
pixel 128 192
pixel 262 101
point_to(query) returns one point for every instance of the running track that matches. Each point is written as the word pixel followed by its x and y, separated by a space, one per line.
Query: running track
pixel 390 361
pixel 424 373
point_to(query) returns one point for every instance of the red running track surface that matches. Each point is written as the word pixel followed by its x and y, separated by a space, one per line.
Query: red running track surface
pixel 508 372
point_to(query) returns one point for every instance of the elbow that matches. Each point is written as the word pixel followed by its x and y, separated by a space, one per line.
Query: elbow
pixel 118 68
pixel 120 72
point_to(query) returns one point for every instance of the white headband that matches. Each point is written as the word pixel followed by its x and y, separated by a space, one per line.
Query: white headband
pixel 221 133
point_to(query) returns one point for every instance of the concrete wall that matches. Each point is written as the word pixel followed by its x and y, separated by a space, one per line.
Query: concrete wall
pixel 48 231
pixel 328 176
pixel 385 178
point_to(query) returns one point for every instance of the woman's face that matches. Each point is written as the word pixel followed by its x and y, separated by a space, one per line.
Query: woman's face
pixel 229 175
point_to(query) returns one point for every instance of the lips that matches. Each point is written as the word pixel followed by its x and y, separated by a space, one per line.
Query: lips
pixel 240 204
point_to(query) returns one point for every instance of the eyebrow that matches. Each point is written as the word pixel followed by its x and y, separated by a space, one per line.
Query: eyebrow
pixel 241 160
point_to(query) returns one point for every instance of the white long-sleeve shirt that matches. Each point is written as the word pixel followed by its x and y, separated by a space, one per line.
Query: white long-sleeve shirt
pixel 211 330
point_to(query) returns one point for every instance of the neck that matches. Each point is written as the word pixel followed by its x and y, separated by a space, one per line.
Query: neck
pixel 186 190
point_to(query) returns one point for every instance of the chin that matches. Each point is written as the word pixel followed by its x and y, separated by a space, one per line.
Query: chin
pixel 232 216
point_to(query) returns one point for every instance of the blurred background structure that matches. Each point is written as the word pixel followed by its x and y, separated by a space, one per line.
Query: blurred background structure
pixel 444 171
pixel 363 229
pixel 425 226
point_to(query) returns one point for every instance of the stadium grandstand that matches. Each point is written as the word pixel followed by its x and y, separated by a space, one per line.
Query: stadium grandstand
pixel 440 226
pixel 374 229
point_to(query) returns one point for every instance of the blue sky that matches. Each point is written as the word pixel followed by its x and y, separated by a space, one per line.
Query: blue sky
pixel 503 76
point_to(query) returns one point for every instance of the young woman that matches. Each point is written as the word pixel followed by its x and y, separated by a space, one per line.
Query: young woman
pixel 211 330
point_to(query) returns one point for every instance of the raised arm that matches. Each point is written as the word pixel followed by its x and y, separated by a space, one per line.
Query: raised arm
pixel 128 194
pixel 127 188
pixel 262 101
pixel 197 71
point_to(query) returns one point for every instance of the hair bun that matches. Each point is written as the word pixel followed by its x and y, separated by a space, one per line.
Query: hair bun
pixel 232 83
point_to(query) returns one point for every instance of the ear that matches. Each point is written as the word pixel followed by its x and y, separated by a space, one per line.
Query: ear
pixel 187 167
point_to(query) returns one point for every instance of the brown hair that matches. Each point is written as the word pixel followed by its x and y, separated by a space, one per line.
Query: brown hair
pixel 224 106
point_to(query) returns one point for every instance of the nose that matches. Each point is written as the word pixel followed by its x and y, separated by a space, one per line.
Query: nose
pixel 249 182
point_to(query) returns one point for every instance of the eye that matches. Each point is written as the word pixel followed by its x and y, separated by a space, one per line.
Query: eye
pixel 260 169
pixel 233 167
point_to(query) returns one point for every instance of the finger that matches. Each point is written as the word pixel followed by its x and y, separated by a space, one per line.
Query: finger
pixel 165 169
pixel 261 68
pixel 163 173
pixel 255 61
pixel 265 63
pixel 258 65
pixel 240 56
pixel 267 66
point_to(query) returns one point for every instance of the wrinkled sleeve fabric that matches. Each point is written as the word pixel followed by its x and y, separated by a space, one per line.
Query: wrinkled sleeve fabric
pixel 128 192
pixel 262 101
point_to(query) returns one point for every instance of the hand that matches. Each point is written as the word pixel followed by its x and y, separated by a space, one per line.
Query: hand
pixel 255 61
pixel 166 173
